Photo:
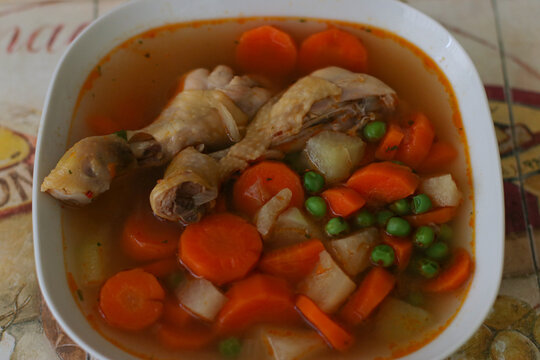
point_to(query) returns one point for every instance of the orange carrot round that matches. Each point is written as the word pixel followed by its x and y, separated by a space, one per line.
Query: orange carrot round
pixel 384 182
pixel 163 267
pixel 146 238
pixel 294 262
pixel 403 248
pixel 261 182
pixel 438 216
pixel 258 299
pixel 417 142
pixel 332 47
pixel 266 50
pixel 193 338
pixel 131 300
pixel 455 275
pixel 335 335
pixel 389 144
pixel 343 201
pixel 374 288
pixel 440 156
pixel 220 248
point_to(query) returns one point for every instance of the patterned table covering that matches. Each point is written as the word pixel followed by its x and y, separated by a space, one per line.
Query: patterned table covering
pixel 501 36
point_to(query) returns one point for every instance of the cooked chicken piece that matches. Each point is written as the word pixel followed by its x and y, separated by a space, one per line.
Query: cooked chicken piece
pixel 87 169
pixel 188 188
pixel 331 98
pixel 214 111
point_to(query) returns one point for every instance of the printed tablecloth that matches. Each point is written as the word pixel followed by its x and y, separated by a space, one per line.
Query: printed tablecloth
pixel 501 36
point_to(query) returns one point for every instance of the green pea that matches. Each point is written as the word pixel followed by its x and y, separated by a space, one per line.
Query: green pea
pixel 424 236
pixel 313 181
pixel 438 251
pixel 445 233
pixel 374 130
pixel 401 207
pixel 421 203
pixel 336 226
pixel 415 298
pixel 383 217
pixel 364 219
pixel 428 268
pixel 383 255
pixel 230 348
pixel 398 227
pixel 316 206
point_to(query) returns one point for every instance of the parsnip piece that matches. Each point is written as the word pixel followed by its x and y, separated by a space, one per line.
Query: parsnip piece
pixel 396 320
pixel 201 297
pixel 93 268
pixel 352 252
pixel 442 190
pixel 268 213
pixel 334 154
pixel 327 285
pixel 292 227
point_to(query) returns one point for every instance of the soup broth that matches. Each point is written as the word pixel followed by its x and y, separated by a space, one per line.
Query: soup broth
pixel 134 82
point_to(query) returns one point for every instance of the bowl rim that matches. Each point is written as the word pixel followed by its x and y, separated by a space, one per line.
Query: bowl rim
pixel 491 154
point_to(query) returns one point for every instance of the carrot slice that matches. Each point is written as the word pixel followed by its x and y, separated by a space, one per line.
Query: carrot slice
pixel 454 275
pixel 266 50
pixel 131 300
pixel 261 182
pixel 343 201
pixel 163 267
pixel 258 299
pixel 332 47
pixel 195 337
pixel 403 248
pixel 384 182
pixel 175 315
pixel 220 248
pixel 334 334
pixel 440 155
pixel 374 288
pixel 147 238
pixel 389 144
pixel 294 262
pixel 438 216
pixel 369 154
pixel 417 142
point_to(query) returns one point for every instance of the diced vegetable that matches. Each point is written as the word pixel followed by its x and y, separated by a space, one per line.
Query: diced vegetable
pixel 437 216
pixel 439 157
pixel 261 182
pixel 388 146
pixel 194 337
pixel 396 320
pixel 442 190
pixel 383 255
pixel 398 227
pixel 257 299
pixel 343 201
pixel 334 334
pixel 336 226
pixel 421 203
pixel 266 50
pixel 453 276
pixel 269 212
pixel 401 207
pixel 426 267
pixel 316 206
pixel 230 348
pixel 352 252
pixel 292 227
pixel 221 248
pixel 313 181
pixel 93 261
pixel 327 285
pixel 294 262
pixel 383 216
pixel 415 146
pixel 424 236
pixel 201 297
pixel 438 251
pixel 384 182
pixel 445 233
pixel 332 47
pixel 334 154
pixel 374 131
pixel 131 300
pixel 364 218
pixel 372 291
pixel 403 248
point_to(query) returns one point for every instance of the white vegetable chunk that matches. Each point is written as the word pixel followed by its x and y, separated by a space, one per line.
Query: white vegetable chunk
pixel 334 154
pixel 442 190
pixel 352 252
pixel 293 227
pixel 201 298
pixel 396 320
pixel 327 285
pixel 269 212
pixel 278 343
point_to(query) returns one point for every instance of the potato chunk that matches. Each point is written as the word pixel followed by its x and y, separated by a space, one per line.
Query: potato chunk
pixel 442 190
pixel 352 252
pixel 396 320
pixel 327 285
pixel 334 154
pixel 292 227
pixel 201 297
